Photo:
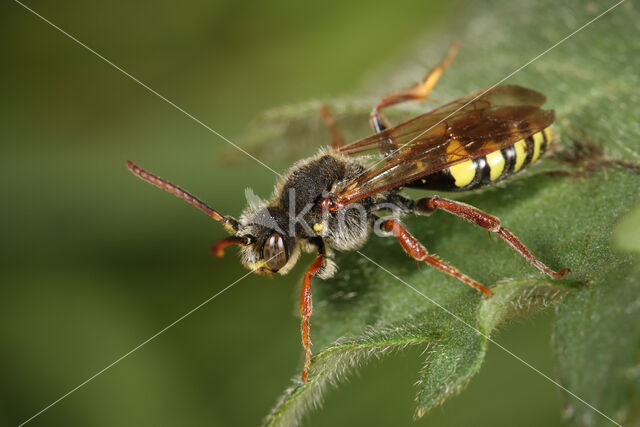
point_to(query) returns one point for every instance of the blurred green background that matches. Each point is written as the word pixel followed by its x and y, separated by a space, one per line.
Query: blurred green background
pixel 94 262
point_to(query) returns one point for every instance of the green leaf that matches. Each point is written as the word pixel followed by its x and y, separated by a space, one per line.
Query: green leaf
pixel 591 81
pixel 597 338
pixel 447 332
pixel 597 344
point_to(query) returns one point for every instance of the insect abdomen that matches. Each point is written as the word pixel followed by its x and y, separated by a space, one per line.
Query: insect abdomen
pixel 489 169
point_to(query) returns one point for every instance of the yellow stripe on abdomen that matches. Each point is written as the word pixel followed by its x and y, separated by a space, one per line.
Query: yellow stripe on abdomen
pixel 463 173
pixel 538 139
pixel 495 161
pixel 548 133
pixel 521 154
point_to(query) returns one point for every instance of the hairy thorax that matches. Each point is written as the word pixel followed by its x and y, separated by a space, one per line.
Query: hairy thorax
pixel 302 190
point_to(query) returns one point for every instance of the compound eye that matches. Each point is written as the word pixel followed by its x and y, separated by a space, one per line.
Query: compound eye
pixel 274 252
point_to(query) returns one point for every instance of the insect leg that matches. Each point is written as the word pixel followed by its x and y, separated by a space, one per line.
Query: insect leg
pixel 416 92
pixel 414 248
pixel 337 137
pixel 306 308
pixel 488 222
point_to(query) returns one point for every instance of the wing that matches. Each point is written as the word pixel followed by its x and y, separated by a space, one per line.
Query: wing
pixel 467 128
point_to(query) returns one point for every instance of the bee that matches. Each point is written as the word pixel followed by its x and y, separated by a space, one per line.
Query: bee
pixel 333 200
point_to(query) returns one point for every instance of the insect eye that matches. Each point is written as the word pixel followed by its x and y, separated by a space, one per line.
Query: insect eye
pixel 274 252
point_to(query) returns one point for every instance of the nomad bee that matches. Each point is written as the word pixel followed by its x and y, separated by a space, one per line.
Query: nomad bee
pixel 333 200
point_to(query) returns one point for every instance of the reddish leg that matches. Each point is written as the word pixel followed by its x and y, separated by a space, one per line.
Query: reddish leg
pixel 337 137
pixel 416 92
pixel 488 222
pixel 218 247
pixel 306 308
pixel 414 248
